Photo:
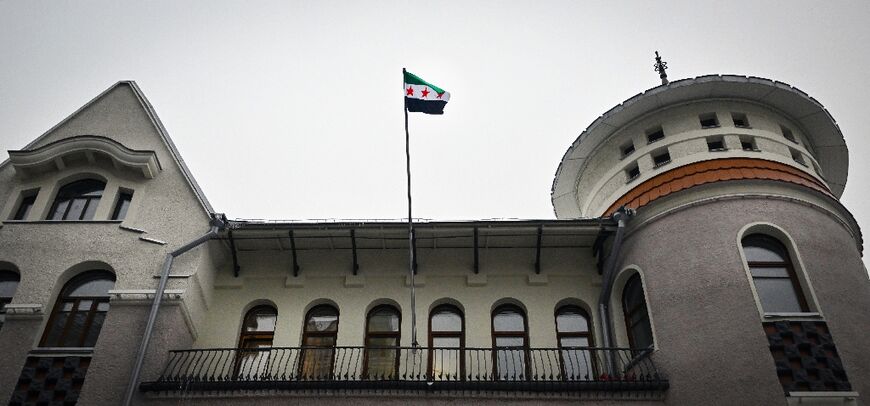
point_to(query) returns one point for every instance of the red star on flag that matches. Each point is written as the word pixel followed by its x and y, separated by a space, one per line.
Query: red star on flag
pixel 440 94
pixel 410 91
pixel 425 92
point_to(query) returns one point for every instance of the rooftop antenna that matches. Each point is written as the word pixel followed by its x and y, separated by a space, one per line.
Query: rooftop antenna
pixel 660 67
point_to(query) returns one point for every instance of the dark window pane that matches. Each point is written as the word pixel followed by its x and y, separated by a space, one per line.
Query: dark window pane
pixel 59 210
pixel 90 209
pixel 761 248
pixel 770 272
pixel 93 287
pixel 24 207
pixel 381 361
pixel 508 319
pixel 571 320
pixel 384 320
pixel 511 364
pixel 642 333
pixel 446 320
pixel 121 207
pixel 76 209
pixel 94 329
pixel 8 284
pixel 636 314
pixel 777 295
pixel 73 316
pixel 322 318
pixel 261 319
pixel 510 341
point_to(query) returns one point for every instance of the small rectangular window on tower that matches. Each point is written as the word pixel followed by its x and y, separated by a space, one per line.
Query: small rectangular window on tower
pixel 716 144
pixel 798 157
pixel 740 120
pixel 654 134
pixel 708 120
pixel 25 206
pixel 786 132
pixel 124 199
pixel 632 172
pixel 626 149
pixel 748 144
pixel 661 158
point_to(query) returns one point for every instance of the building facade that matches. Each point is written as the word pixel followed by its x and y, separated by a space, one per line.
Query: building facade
pixel 699 255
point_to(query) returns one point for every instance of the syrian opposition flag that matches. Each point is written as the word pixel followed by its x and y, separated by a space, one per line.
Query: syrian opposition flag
pixel 424 97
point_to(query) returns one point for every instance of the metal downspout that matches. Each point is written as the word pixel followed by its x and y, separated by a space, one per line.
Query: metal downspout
pixel 217 223
pixel 621 216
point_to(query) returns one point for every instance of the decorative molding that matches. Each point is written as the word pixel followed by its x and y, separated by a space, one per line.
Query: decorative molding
pixel 51 156
pixel 137 295
pixel 133 229
pixel 24 310
pixel 538 280
pixel 152 240
pixel 419 280
pixel 294 282
pixel 354 281
pixel 476 280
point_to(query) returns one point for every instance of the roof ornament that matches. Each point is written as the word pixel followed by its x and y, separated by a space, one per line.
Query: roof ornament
pixel 660 67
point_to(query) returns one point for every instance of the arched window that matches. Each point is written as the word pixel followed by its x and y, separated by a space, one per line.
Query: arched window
pixel 80 310
pixel 8 285
pixel 77 200
pixel 637 323
pixel 382 343
pixel 573 332
pixel 258 332
pixel 774 277
pixel 319 337
pixel 446 341
pixel 510 339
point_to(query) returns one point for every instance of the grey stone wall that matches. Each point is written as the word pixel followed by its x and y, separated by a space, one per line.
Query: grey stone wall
pixel 709 335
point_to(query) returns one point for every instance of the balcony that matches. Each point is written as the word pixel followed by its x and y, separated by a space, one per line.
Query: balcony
pixel 579 370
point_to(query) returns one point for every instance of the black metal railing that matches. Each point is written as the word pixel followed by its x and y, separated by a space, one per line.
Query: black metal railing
pixel 420 368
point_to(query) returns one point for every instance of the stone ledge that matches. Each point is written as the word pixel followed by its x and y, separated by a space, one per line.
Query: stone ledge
pixel 538 280
pixel 476 280
pixel 354 281
pixel 24 310
pixel 136 295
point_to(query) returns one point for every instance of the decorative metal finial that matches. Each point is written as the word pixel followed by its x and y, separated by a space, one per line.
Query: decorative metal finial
pixel 660 67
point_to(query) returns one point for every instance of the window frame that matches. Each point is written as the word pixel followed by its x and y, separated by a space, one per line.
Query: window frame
pixel 627 313
pixel 306 334
pixel 589 335
pixel 498 334
pixel 26 204
pixel 70 197
pixel 447 334
pixel 119 201
pixel 62 298
pixel 788 264
pixel 382 334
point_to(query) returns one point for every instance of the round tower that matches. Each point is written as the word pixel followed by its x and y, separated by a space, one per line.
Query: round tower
pixel 747 259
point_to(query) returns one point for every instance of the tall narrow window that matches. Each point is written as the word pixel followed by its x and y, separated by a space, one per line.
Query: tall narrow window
pixel 80 311
pixel 637 322
pixel 25 206
pixel 77 200
pixel 121 206
pixel 573 334
pixel 318 339
pixel 774 277
pixel 510 341
pixel 446 341
pixel 8 285
pixel 255 340
pixel 382 343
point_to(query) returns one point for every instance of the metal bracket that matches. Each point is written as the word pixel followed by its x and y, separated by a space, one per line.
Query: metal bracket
pixel 414 247
pixel 353 247
pixel 293 254
pixel 476 253
pixel 538 250
pixel 236 267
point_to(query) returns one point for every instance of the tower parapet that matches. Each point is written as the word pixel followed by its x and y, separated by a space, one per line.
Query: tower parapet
pixel 695 132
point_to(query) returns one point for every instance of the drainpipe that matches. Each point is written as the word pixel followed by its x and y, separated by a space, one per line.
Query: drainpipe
pixel 218 222
pixel 621 216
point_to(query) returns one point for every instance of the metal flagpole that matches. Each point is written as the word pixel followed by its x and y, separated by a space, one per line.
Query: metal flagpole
pixel 410 223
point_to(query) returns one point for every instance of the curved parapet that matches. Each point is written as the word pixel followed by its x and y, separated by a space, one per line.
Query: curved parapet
pixel 697 120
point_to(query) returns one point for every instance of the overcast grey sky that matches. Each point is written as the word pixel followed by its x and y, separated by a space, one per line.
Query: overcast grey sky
pixel 293 110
